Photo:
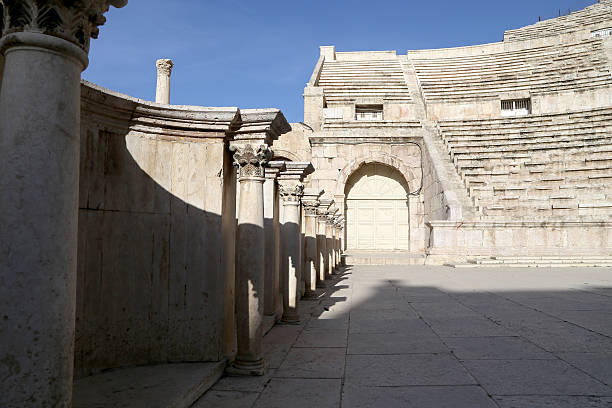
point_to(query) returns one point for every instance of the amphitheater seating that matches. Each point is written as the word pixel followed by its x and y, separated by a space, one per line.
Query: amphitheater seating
pixel 591 15
pixel 554 68
pixel 537 166
pixel 345 81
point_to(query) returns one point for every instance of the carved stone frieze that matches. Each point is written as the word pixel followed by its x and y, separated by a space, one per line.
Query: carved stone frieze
pixel 251 162
pixel 73 20
pixel 291 193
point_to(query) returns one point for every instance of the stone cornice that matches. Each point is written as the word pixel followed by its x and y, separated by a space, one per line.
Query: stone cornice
pixel 124 113
pixel 264 125
pixel 313 194
pixel 296 170
pixel 73 21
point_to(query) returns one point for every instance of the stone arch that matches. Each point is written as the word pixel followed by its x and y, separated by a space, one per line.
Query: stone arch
pixel 377 157
pixel 285 154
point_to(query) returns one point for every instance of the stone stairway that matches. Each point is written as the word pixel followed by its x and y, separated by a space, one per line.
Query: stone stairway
pixel 566 67
pixel 345 81
pixel 446 175
pixel 537 262
pixel 592 15
pixel 536 166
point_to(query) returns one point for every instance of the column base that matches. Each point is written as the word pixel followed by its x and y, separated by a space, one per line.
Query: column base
pixel 310 295
pixel 245 368
pixel 290 320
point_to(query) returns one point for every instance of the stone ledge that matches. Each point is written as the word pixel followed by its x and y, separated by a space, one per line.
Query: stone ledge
pixel 158 386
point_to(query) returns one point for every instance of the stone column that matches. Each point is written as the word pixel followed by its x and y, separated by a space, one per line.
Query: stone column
pixel 339 227
pixel 250 258
pixel 291 191
pixel 310 203
pixel 164 70
pixel 321 246
pixel 273 303
pixel 336 234
pixel 329 226
pixel 329 254
pixel 290 197
pixel 45 47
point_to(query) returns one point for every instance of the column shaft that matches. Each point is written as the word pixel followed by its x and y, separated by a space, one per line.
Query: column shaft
pixel 272 244
pixel 310 258
pixel 330 250
pixel 322 246
pixel 164 70
pixel 291 242
pixel 39 182
pixel 250 259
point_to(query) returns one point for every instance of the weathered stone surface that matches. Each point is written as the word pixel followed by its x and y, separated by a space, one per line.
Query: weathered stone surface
pixel 163 386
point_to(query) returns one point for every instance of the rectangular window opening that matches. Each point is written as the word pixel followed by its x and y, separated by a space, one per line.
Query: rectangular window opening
pixel 516 107
pixel 604 32
pixel 368 112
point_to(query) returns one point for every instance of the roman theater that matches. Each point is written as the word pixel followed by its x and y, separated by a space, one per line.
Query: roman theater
pixel 177 240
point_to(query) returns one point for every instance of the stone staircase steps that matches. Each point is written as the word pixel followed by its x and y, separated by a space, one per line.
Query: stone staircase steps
pixel 576 66
pixel 537 262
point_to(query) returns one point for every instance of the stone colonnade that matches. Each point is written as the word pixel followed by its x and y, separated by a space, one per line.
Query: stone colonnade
pixel 40 120
pixel 271 257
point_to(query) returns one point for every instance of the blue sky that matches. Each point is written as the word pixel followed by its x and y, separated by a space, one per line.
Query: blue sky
pixel 260 54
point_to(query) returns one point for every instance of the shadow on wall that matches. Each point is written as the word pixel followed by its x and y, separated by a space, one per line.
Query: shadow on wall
pixel 151 279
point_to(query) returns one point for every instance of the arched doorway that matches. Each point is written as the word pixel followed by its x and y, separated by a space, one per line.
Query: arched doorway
pixel 377 216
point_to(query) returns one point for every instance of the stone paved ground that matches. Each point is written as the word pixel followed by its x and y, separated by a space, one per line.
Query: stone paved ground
pixel 435 337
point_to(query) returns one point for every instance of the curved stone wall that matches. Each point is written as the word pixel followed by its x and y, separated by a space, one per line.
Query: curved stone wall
pixel 156 200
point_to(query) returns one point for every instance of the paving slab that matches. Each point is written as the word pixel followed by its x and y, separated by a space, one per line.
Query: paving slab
pixel 495 348
pixel 301 393
pixel 404 325
pixel 227 399
pixel 416 397
pixel 468 326
pixel 396 343
pixel 283 334
pixel 322 338
pixel 534 377
pixel 598 365
pixel 275 354
pixel 313 363
pixel 553 402
pixel 404 370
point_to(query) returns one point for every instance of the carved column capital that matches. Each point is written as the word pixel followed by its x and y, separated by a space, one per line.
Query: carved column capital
pixel 76 21
pixel 164 66
pixel 310 208
pixel 291 193
pixel 251 161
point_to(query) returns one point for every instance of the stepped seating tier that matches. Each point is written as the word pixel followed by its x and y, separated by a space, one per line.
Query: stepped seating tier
pixel 592 15
pixel 536 166
pixel 347 81
pixel 554 68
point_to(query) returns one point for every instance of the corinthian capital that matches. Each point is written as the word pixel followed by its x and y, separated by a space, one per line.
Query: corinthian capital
pixel 291 193
pixel 73 20
pixel 164 66
pixel 310 208
pixel 250 162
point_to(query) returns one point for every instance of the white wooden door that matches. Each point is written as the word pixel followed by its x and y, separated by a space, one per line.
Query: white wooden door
pixel 377 210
